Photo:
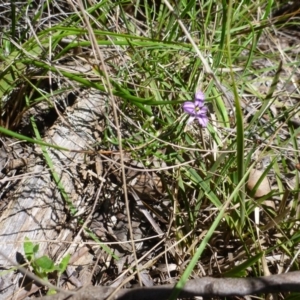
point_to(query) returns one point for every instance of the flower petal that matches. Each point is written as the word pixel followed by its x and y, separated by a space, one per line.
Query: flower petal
pixel 203 121
pixel 199 96
pixel 201 112
pixel 190 120
pixel 199 103
pixel 189 107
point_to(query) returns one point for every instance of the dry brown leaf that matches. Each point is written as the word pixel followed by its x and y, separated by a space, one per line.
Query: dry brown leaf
pixel 263 188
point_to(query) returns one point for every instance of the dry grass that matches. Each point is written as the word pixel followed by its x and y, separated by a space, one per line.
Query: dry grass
pixel 169 200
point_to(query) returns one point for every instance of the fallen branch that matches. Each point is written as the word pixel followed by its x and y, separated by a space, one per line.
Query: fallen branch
pixel 206 286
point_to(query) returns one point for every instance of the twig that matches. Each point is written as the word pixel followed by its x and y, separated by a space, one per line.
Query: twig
pixel 206 286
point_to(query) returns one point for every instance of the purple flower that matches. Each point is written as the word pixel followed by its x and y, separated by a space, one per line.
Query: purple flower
pixel 197 109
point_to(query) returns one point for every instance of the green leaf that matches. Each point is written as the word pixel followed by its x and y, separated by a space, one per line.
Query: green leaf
pixel 36 248
pixel 30 249
pixel 64 263
pixel 240 270
pixel 28 139
pixel 55 176
pixel 45 263
pixel 51 292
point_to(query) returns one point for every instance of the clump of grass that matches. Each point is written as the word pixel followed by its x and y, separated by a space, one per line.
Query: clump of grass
pixel 151 68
